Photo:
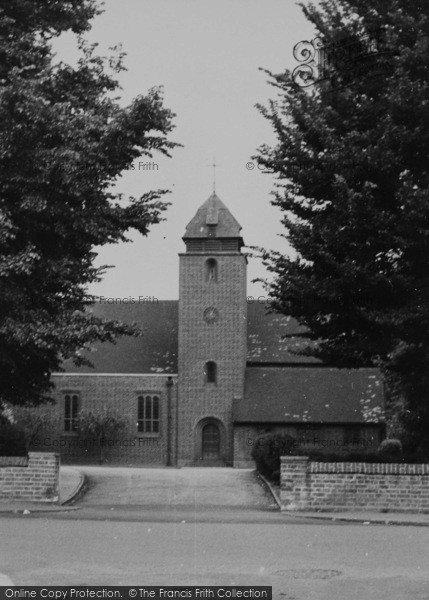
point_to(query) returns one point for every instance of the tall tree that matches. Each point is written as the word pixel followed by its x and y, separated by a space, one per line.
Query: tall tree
pixel 352 167
pixel 64 139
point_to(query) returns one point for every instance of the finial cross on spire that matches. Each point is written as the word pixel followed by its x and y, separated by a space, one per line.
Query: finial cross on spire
pixel 214 165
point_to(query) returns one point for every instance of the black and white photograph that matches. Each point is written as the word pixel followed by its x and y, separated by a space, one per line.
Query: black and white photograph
pixel 214 299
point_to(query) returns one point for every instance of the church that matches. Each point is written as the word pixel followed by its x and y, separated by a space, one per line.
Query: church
pixel 211 372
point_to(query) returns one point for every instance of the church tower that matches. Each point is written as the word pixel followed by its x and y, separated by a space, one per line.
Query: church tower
pixel 212 335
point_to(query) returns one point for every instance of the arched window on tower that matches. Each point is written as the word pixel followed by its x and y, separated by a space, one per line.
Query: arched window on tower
pixel 210 371
pixel 211 269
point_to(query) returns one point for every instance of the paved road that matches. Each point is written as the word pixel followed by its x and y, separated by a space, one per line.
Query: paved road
pixel 209 527
pixel 196 489
pixel 301 562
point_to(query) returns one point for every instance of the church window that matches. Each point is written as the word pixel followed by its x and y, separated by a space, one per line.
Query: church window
pixel 71 407
pixel 148 414
pixel 211 270
pixel 211 372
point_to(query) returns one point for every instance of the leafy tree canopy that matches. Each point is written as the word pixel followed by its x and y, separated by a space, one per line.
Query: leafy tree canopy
pixel 352 165
pixel 64 139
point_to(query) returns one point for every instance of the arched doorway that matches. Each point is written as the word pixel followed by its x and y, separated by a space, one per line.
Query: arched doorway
pixel 210 440
pixel 210 443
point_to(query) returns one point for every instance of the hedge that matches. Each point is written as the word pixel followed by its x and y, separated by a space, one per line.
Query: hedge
pixel 271 446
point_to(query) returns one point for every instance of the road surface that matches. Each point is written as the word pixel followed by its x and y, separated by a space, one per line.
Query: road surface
pixel 110 542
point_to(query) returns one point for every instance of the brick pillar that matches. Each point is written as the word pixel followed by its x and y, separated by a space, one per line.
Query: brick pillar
pixel 44 476
pixel 294 482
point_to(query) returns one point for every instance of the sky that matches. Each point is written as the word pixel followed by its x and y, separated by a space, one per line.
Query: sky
pixel 207 55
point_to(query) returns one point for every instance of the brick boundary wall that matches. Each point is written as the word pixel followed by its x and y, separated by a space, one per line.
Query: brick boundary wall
pixel 306 485
pixel 35 478
pixel 13 461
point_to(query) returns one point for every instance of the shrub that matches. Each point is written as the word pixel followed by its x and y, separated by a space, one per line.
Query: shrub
pixel 101 424
pixel 267 452
pixel 364 457
pixel 12 440
pixel 270 447
pixel 31 420
pixel 390 448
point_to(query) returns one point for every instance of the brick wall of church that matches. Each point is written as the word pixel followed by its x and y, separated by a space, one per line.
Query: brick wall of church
pixel 116 392
pixel 223 341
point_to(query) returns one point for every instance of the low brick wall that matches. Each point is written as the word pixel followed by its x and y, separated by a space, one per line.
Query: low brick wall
pixel 306 485
pixel 35 478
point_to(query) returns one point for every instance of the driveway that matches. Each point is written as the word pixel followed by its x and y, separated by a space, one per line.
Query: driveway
pixel 188 488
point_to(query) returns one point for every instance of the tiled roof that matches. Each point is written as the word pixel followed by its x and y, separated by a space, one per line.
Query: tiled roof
pixel 310 395
pixel 154 352
pixel 213 213
pixel 271 337
pixel 157 350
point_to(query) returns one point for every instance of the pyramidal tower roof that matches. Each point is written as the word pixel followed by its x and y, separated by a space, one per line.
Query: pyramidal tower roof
pixel 213 219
